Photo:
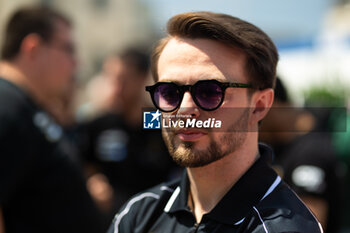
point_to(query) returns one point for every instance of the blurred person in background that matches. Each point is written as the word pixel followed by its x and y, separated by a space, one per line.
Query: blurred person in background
pixel 42 188
pixel 305 157
pixel 341 142
pixel 122 158
pixel 118 87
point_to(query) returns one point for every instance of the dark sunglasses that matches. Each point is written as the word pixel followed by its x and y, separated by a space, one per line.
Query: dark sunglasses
pixel 207 94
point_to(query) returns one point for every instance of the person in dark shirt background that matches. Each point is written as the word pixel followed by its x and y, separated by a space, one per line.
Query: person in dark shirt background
pixel 305 156
pixel 42 188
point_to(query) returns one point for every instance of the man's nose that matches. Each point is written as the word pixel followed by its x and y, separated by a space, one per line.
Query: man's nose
pixel 188 106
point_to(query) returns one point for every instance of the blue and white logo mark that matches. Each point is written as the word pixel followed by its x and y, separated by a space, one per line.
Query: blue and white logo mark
pixel 151 120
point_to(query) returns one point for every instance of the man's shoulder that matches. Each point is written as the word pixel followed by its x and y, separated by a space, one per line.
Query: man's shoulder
pixel 283 211
pixel 13 110
pixel 13 101
pixel 140 209
pixel 151 197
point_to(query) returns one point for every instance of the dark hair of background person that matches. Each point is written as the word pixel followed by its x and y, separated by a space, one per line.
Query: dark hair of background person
pixel 38 20
pixel 281 92
pixel 262 55
pixel 137 59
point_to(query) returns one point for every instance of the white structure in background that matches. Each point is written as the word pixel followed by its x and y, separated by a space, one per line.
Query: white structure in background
pixel 101 26
pixel 325 62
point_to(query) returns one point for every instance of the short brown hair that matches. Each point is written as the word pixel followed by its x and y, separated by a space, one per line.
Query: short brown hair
pixel 35 19
pixel 261 52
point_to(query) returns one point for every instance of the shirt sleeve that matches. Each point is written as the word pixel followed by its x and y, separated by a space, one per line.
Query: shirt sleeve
pixel 139 213
pixel 121 222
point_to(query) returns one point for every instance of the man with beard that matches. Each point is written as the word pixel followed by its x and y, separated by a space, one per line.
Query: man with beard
pixel 216 66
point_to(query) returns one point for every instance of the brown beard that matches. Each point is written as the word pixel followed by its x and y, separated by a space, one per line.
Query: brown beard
pixel 185 155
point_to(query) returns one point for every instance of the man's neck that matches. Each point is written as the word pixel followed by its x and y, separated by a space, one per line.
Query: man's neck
pixel 210 183
pixel 12 72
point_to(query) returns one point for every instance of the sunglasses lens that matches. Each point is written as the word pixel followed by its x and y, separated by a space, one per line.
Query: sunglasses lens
pixel 167 96
pixel 208 94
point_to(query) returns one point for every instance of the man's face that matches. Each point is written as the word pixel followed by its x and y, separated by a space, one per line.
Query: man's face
pixel 57 62
pixel 126 83
pixel 185 62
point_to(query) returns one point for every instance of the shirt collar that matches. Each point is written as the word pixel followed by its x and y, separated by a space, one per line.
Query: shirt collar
pixel 179 198
pixel 253 186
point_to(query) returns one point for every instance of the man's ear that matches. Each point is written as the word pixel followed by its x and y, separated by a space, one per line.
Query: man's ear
pixel 30 45
pixel 261 103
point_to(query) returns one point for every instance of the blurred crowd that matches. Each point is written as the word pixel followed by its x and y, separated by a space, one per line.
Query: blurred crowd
pixel 72 154
pixel 309 156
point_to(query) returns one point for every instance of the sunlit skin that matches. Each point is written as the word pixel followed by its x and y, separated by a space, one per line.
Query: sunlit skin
pixel 189 64
pixel 50 65
pixel 185 61
pixel 44 68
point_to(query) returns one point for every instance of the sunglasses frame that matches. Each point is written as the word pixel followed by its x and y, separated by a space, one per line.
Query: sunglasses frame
pixel 192 90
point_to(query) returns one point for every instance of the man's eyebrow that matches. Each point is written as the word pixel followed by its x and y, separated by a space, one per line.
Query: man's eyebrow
pixel 220 79
pixel 166 80
pixel 201 79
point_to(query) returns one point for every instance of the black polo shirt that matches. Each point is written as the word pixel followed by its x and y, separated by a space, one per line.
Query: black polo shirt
pixel 42 188
pixel 258 202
